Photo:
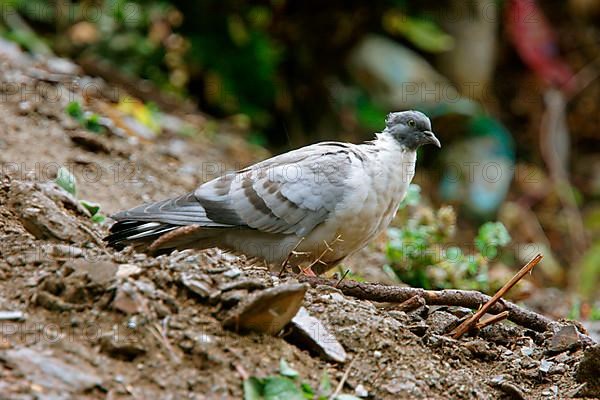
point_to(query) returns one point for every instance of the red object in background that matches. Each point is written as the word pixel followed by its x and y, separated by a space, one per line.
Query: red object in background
pixel 535 42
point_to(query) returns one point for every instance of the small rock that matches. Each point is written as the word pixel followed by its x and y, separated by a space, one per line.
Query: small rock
pixel 62 66
pixel 419 329
pixel 196 286
pixel 308 332
pixel 129 301
pixel 57 377
pixel 526 350
pixel 53 303
pixel 247 284
pixel 64 251
pixel 587 372
pixel 12 316
pixel 566 338
pixel 100 271
pixel 232 297
pixel 441 322
pixel 233 272
pixel 545 365
pixel 127 270
pixel 41 216
pixel 558 369
pixel 126 350
pixel 360 391
pixel 337 297
pixel 480 349
pixel 25 107
pixel 267 311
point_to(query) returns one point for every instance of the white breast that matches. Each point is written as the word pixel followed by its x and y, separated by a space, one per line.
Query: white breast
pixel 375 188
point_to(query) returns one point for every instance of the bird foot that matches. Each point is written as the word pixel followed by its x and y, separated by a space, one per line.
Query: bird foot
pixel 307 271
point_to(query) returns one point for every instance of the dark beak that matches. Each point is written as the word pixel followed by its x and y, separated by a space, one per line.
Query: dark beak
pixel 430 138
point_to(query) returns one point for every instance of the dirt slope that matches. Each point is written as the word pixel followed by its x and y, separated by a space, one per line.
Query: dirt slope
pixel 100 324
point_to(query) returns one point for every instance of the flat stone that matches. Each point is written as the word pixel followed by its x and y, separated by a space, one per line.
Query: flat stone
pixel 101 272
pixel 308 332
pixel 267 311
pixel 126 350
pixel 196 286
pixel 565 339
pixel 51 373
pixel 127 270
pixel 12 316
pixel 129 301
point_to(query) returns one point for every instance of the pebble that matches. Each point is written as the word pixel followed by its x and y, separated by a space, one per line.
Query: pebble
pixel 545 365
pixel 360 391
pixel 12 316
pixel 565 339
pixel 196 286
pixel 232 272
pixel 127 270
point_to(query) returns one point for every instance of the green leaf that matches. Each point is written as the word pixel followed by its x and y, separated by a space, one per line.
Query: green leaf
pixel 491 235
pixel 93 208
pixel 98 218
pixel 325 389
pixel 75 110
pixel 92 123
pixel 253 389
pixel 66 180
pixel 281 388
pixel 286 370
pixel 307 391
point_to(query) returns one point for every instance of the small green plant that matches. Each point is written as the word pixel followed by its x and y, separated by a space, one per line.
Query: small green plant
pixel 66 180
pixel 285 386
pixel 422 253
pixel 89 120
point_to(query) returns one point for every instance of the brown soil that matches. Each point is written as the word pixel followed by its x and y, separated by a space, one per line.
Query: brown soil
pixel 101 324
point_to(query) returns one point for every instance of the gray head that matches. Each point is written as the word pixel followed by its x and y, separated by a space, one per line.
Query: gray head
pixel 410 128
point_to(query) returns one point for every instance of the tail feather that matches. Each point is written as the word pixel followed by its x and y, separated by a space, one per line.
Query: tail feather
pixel 141 226
pixel 138 233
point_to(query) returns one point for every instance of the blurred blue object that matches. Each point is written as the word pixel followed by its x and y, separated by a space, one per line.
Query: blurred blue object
pixel 478 170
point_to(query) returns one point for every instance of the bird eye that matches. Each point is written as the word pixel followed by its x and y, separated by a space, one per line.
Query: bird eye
pixel 412 123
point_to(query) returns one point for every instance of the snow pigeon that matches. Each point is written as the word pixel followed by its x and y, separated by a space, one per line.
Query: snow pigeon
pixel 310 207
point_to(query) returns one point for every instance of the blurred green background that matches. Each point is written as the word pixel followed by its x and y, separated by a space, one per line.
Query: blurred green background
pixel 511 87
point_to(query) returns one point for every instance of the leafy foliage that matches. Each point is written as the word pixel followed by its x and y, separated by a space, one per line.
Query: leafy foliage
pixel 284 386
pixel 423 254
pixel 89 120
pixel 66 180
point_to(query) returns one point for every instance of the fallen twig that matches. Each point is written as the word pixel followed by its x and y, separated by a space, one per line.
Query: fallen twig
pixel 470 322
pixel 449 297
pixel 411 304
pixel 340 385
pixel 492 320
pixel 342 278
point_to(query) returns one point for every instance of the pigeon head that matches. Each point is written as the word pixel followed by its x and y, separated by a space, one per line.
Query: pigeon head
pixel 411 129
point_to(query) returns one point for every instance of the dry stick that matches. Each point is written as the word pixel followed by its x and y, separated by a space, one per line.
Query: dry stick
pixel 342 278
pixel 411 304
pixel 450 297
pixel 289 256
pixel 491 320
pixel 340 385
pixel 470 322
